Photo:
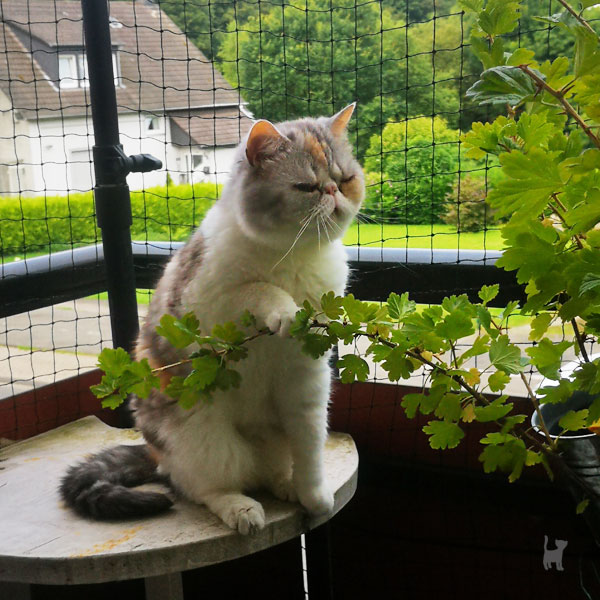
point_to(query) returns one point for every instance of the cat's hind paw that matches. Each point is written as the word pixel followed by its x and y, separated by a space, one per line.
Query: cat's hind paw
pixel 247 517
pixel 318 501
pixel 283 488
pixel 240 512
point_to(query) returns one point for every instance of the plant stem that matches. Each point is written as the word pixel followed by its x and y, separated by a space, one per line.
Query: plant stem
pixel 563 219
pixel 536 406
pixel 566 105
pixel 575 14
pixel 580 340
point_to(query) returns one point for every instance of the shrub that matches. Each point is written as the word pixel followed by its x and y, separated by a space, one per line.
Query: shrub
pixel 410 170
pixel 38 223
pixel 466 206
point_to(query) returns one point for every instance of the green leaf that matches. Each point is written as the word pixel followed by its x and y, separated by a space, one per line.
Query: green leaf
pixel 443 434
pixel 505 356
pixel 449 408
pixel 112 402
pixel 498 381
pixel 488 292
pixel 504 452
pixel 471 5
pixel 114 361
pixel 539 326
pixel 204 371
pixel 574 420
pixel 353 368
pixel 410 403
pixel 485 138
pixel 343 331
pixel 511 421
pixel 248 319
pixel 591 281
pixel 494 411
pixel 499 17
pixel 503 85
pixel 397 365
pixel 227 378
pixel 529 181
pixel 302 320
pixel 185 396
pixel 587 377
pixel 332 305
pixel 174 332
pixel 546 356
pixel 556 394
pixel 379 351
pixel 229 333
pixel 399 306
pixel 534 130
pixel 480 346
pixel 315 344
pixel 455 326
pixel 582 506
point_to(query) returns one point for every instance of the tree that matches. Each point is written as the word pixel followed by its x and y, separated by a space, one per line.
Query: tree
pixel 290 62
pixel 206 23
pixel 411 168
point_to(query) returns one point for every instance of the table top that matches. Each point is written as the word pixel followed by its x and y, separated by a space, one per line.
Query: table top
pixel 42 541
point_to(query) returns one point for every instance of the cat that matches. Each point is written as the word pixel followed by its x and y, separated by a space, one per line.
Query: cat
pixel 272 241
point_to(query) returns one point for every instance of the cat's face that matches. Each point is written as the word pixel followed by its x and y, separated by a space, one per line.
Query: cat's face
pixel 301 177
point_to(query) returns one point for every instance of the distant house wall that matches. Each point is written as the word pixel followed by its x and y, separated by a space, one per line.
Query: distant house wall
pixel 61 151
pixel 14 150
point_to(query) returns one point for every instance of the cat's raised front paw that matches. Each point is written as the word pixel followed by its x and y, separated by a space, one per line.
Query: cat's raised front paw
pixel 280 321
pixel 318 501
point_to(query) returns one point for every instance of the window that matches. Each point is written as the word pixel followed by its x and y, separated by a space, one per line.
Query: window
pixel 153 123
pixel 73 70
pixel 67 71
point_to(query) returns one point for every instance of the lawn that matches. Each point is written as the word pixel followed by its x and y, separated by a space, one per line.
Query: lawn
pixel 372 236
pixel 421 236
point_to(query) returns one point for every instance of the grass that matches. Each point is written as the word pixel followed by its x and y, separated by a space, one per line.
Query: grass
pixel 374 236
pixel 421 236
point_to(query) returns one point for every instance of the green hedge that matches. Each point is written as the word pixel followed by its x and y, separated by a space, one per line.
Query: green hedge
pixel 39 223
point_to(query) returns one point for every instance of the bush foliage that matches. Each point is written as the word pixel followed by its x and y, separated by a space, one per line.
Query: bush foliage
pixel 410 170
pixel 161 213
pixel 467 208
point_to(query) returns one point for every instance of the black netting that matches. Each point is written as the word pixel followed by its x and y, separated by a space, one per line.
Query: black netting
pixel 190 76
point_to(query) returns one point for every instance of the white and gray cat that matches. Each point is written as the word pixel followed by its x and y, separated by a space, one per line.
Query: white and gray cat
pixel 272 241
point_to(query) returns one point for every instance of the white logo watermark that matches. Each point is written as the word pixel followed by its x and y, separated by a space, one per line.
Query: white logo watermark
pixel 554 556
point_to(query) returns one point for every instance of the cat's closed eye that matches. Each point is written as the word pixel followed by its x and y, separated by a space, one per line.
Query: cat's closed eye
pixel 307 187
pixel 348 179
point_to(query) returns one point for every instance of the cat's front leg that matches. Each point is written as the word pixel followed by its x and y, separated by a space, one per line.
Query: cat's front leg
pixel 304 415
pixel 271 305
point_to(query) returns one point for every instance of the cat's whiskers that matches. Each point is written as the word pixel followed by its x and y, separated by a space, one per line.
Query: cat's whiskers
pixel 303 226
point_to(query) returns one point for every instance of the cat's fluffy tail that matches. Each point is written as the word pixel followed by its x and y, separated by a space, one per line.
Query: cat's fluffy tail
pixel 99 487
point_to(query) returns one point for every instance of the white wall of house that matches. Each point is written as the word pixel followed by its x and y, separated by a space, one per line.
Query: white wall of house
pixel 14 150
pixel 59 155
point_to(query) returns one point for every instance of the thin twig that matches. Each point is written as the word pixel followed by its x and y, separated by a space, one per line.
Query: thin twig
pixel 580 340
pixel 567 106
pixel 573 12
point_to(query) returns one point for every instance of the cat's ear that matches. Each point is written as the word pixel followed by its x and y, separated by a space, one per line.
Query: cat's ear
pixel 263 140
pixel 339 121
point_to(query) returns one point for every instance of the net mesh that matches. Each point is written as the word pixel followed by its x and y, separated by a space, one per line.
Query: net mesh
pixel 190 76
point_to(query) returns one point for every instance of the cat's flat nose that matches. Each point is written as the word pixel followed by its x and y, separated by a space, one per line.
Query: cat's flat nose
pixel 330 188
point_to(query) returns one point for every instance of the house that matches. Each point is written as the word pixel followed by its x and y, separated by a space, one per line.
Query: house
pixel 172 101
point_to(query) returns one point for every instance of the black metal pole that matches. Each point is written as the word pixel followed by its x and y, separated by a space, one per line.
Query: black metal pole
pixel 111 193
